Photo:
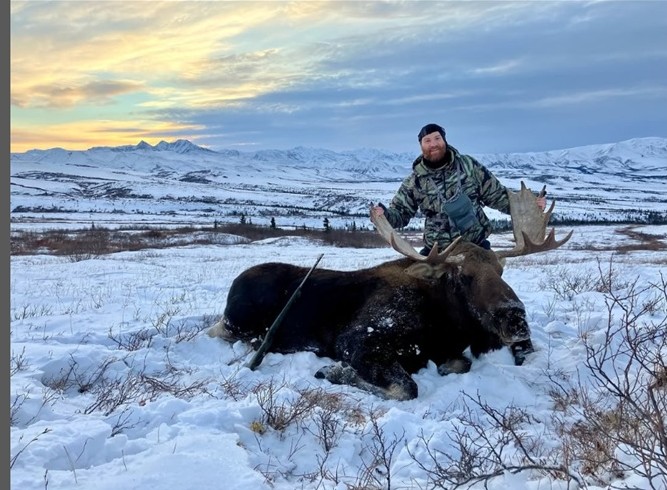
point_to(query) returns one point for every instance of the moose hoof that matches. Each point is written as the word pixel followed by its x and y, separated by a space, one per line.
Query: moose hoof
pixel 520 350
pixel 454 366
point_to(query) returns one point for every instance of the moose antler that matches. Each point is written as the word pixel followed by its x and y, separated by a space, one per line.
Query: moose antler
pixel 402 246
pixel 529 224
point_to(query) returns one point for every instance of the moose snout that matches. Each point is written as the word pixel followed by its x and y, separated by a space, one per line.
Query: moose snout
pixel 511 325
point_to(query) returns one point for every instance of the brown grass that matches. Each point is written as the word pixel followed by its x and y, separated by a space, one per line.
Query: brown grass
pixel 98 241
pixel 644 242
pixel 95 241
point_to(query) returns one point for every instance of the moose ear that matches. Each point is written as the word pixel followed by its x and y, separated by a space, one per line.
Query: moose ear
pixel 425 270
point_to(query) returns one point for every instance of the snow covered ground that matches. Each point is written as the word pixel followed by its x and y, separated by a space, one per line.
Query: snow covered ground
pixel 115 384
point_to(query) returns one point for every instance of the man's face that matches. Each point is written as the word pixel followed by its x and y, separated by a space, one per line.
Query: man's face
pixel 433 146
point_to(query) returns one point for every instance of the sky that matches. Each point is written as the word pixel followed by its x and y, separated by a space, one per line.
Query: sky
pixel 115 383
pixel 499 76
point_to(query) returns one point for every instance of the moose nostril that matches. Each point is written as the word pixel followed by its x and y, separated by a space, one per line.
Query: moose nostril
pixel 520 350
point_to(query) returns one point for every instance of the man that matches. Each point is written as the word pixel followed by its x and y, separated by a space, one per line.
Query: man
pixel 451 189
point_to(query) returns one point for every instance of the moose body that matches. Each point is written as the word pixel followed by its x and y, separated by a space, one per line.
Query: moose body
pixel 382 323
pixel 386 322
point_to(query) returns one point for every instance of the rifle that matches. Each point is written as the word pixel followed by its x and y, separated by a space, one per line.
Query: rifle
pixel 268 339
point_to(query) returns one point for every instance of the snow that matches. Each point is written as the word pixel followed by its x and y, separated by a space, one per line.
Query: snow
pixel 300 187
pixel 77 326
pixel 115 383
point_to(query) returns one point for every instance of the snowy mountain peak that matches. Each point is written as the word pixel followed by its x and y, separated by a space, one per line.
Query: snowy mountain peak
pixel 613 181
pixel 179 146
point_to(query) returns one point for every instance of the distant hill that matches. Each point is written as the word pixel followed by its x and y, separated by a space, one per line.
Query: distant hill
pixel 181 183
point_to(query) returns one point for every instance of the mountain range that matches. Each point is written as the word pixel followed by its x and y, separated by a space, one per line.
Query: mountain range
pixel 181 183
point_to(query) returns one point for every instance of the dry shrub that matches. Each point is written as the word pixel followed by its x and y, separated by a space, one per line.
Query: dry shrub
pixel 614 424
pixel 330 411
pixel 95 241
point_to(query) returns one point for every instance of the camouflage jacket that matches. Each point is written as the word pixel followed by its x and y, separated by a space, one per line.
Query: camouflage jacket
pixel 425 189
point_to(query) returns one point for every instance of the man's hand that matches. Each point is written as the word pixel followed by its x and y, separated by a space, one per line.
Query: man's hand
pixel 377 210
pixel 542 198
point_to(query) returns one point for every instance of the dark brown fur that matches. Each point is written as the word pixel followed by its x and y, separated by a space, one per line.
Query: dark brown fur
pixel 382 323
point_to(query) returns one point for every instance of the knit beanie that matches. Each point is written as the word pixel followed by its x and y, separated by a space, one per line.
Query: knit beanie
pixel 431 128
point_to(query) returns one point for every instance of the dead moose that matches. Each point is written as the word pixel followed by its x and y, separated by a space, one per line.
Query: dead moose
pixel 385 322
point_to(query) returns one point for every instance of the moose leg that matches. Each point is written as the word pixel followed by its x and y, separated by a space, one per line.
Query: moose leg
pixel 392 383
pixel 458 365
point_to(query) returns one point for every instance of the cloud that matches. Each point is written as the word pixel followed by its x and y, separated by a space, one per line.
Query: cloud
pixel 98 92
pixel 299 69
pixel 595 96
pixel 501 68
pixel 85 134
